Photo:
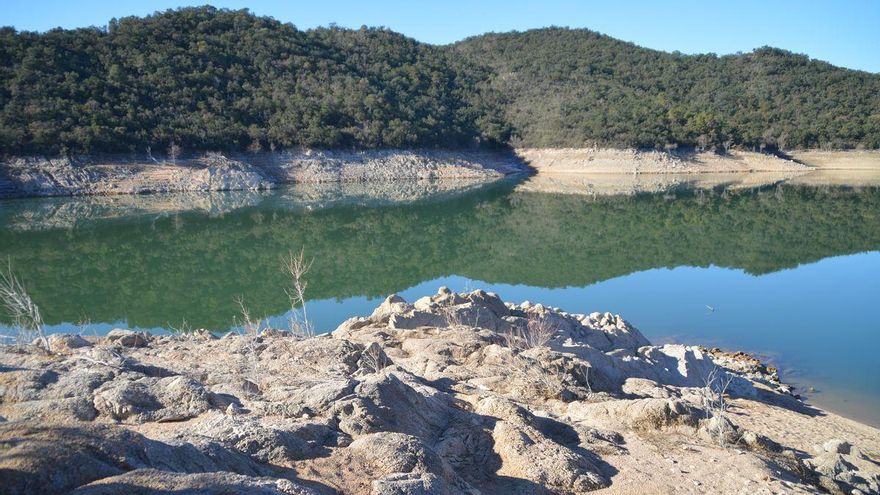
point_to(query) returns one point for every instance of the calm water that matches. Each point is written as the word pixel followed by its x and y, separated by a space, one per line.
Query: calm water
pixel 792 272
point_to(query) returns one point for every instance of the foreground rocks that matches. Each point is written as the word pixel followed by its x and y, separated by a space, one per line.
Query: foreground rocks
pixel 451 394
pixel 138 174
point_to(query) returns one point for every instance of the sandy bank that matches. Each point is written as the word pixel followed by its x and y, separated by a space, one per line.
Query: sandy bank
pixel 226 172
pixel 451 394
pixel 614 161
pixel 839 160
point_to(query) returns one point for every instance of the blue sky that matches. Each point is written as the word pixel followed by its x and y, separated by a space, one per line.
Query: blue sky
pixel 843 32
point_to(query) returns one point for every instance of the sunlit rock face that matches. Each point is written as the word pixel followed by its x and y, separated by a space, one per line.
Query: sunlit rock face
pixel 452 393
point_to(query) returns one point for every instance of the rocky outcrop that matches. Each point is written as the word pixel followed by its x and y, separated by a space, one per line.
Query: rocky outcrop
pixel 844 468
pixel 88 176
pixel 74 176
pixel 455 393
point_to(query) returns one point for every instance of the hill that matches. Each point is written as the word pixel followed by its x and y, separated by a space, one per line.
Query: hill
pixel 211 79
pixel 204 78
pixel 575 87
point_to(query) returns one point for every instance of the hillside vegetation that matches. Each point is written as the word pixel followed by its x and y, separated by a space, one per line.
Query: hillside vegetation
pixel 574 87
pixel 204 78
pixel 209 79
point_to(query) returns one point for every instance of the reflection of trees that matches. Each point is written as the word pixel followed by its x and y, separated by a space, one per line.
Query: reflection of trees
pixel 158 270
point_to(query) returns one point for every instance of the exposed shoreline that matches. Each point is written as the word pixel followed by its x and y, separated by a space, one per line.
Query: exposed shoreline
pixel 28 177
pixel 140 174
pixel 598 161
pixel 454 394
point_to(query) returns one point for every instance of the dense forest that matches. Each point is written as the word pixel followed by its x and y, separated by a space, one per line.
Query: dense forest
pixel 574 87
pixel 205 78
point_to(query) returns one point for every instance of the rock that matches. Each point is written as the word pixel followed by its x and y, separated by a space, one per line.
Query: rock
pixel 128 338
pixel 414 484
pixel 265 442
pixel 429 397
pixel 643 387
pixel 418 410
pixel 153 481
pixel 398 454
pixel 639 414
pixel 842 470
pixel 55 411
pixel 63 343
pixel 392 304
pixel 527 453
pixel 214 171
pixel 140 399
pixel 720 430
pixel 837 446
pixel 56 459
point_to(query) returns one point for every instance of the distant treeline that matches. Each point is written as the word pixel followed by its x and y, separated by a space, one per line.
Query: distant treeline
pixel 203 78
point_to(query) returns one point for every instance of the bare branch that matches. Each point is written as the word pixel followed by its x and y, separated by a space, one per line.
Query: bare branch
pixel 297 267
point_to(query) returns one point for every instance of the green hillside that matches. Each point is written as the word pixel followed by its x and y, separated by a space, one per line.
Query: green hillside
pixel 575 87
pixel 210 79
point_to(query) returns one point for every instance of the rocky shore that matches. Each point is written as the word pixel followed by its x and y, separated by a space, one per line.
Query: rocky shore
pixel 606 170
pixel 76 176
pixel 452 394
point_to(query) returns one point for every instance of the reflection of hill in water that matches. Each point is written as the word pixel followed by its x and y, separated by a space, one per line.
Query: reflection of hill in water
pixel 616 184
pixel 154 270
pixel 68 212
pixel 627 184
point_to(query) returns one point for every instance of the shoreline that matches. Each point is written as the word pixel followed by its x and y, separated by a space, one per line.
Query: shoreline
pixel 142 174
pixel 602 161
pixel 457 393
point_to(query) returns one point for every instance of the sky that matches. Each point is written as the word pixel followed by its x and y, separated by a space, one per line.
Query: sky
pixel 843 32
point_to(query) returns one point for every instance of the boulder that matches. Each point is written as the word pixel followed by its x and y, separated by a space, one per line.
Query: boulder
pixel 128 338
pixel 133 397
pixel 64 343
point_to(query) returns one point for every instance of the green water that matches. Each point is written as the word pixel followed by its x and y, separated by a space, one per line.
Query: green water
pixel 791 271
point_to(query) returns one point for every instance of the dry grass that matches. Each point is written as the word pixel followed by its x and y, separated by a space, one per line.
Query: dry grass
pixel 24 312
pixel 715 404
pixel 297 267
pixel 373 358
pixel 537 333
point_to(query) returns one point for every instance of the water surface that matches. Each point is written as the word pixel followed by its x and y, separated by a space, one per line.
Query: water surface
pixel 786 271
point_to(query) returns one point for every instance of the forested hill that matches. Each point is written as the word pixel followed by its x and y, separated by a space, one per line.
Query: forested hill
pixel 203 78
pixel 574 87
